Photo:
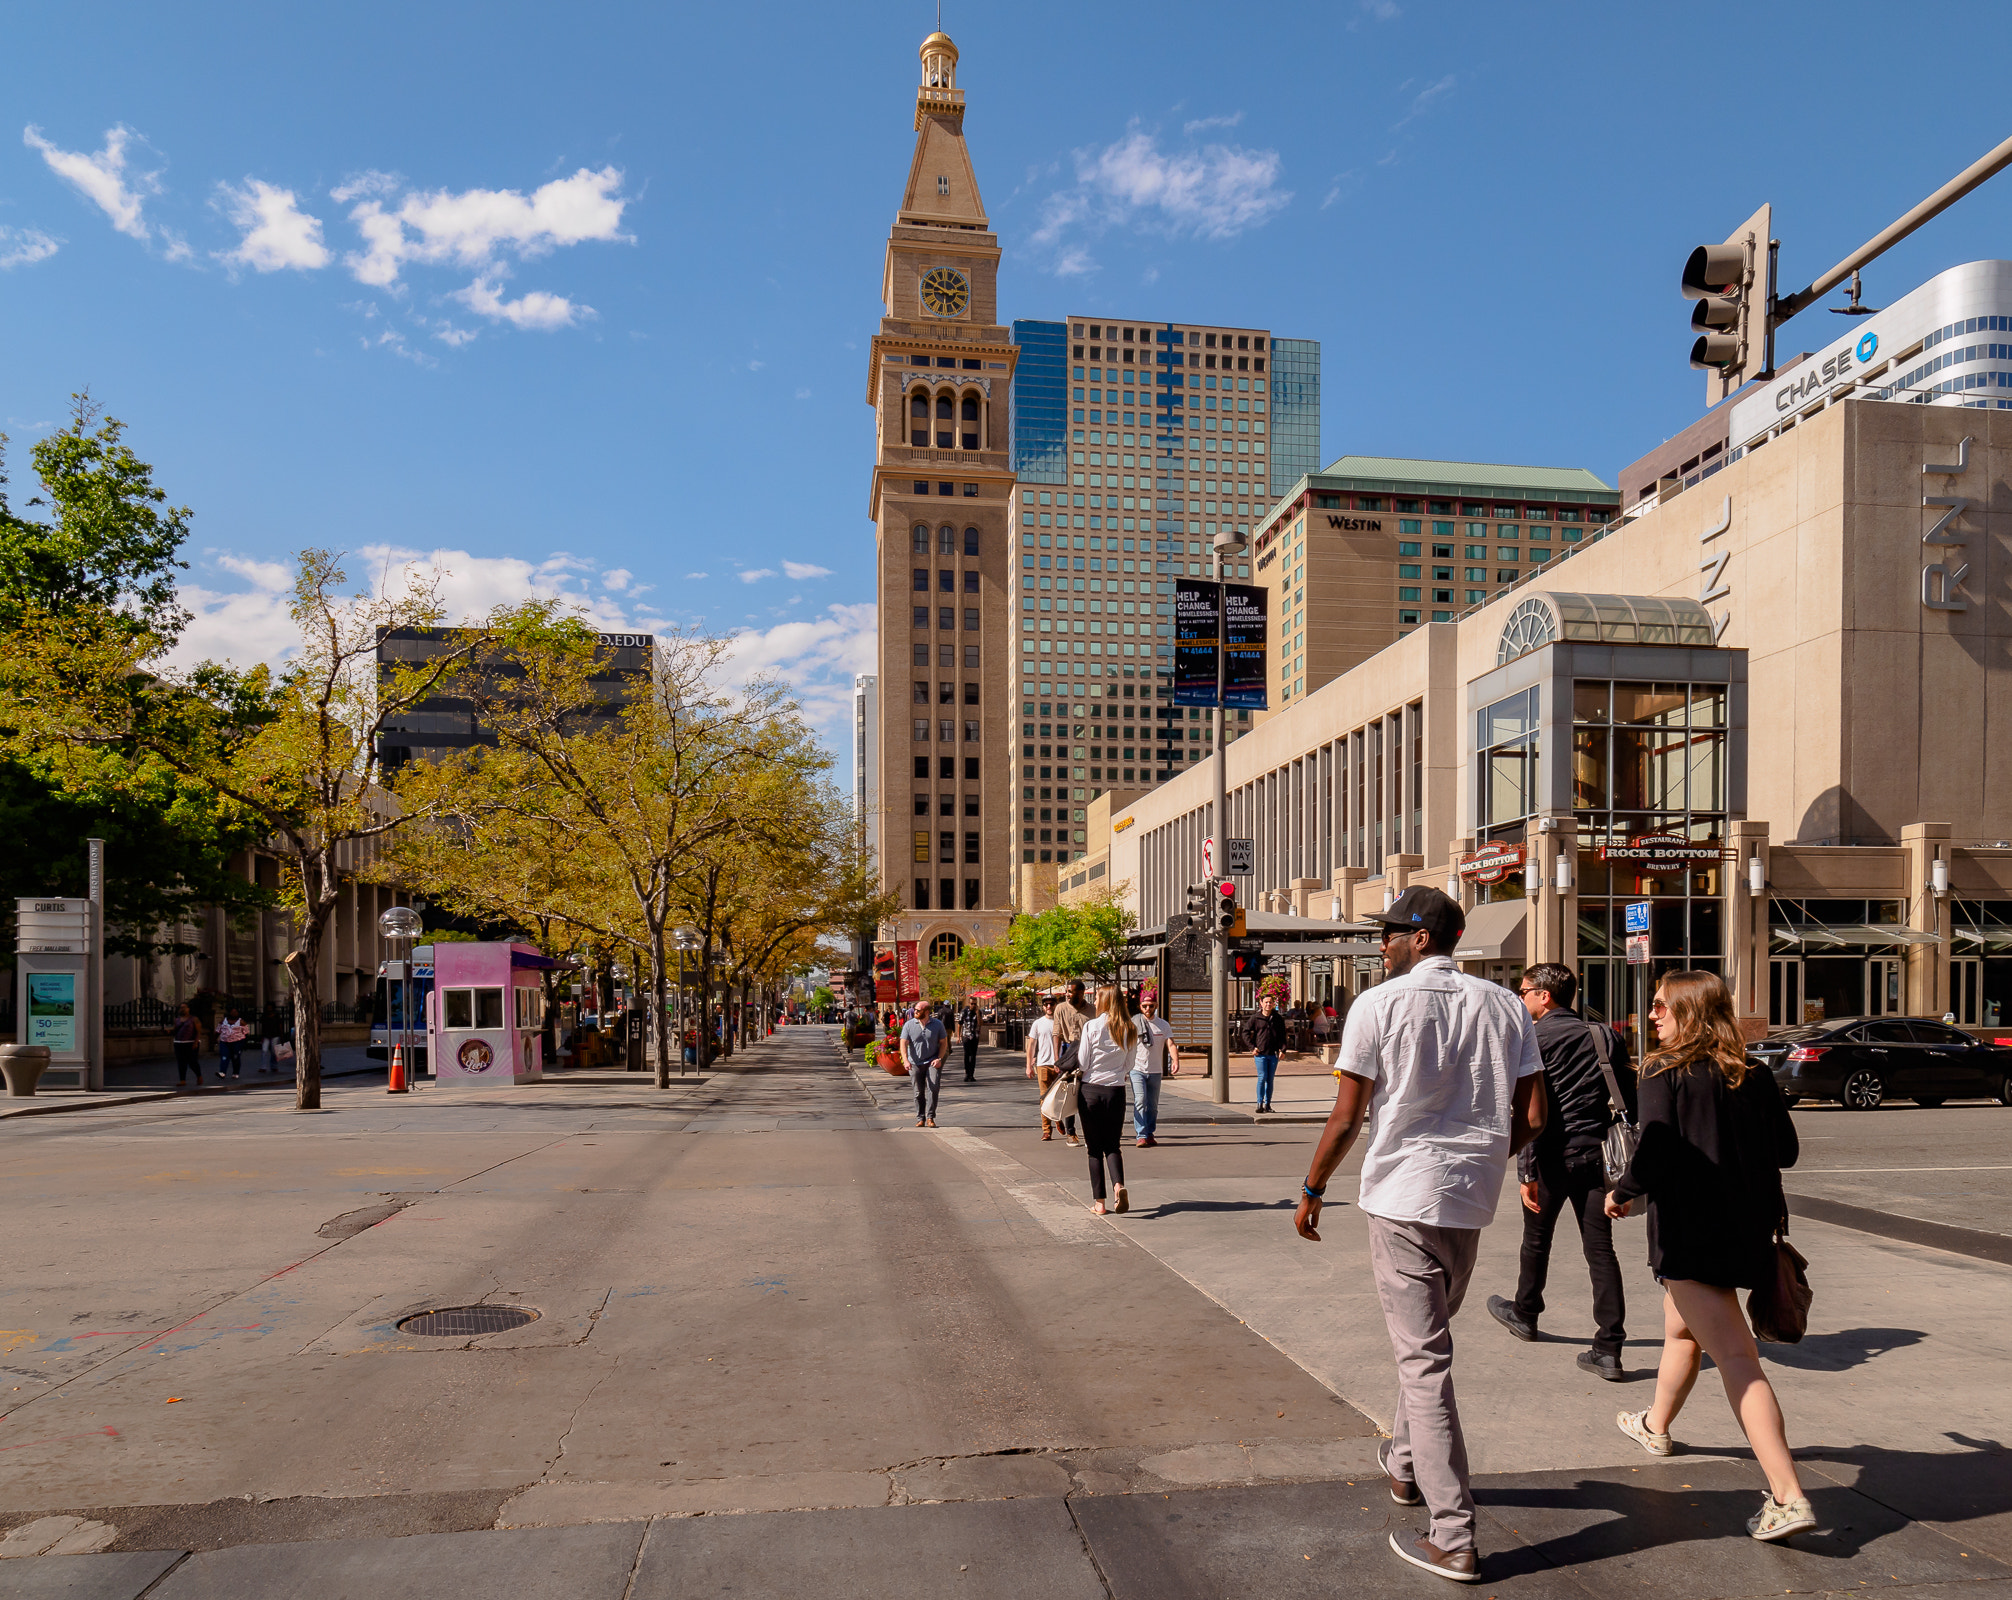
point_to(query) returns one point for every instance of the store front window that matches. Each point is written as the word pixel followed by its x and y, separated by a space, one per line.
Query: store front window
pixel 1506 740
pixel 1648 762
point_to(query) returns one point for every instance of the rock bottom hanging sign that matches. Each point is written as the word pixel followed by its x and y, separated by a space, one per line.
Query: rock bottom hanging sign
pixel 1492 863
pixel 1663 850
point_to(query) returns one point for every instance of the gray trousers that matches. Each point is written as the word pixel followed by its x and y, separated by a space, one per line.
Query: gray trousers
pixel 1421 1278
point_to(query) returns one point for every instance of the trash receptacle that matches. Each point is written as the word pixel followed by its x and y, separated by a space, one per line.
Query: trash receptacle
pixel 23 1066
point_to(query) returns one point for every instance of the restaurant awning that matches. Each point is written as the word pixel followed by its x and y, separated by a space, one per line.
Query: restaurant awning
pixel 1494 932
pixel 1994 939
pixel 1818 936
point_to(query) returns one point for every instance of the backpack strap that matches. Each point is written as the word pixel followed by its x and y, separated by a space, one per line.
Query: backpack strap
pixel 1603 1047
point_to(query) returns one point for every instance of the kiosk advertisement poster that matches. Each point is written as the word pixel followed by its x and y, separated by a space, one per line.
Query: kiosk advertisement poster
pixel 1197 631
pixel 1244 647
pixel 52 1011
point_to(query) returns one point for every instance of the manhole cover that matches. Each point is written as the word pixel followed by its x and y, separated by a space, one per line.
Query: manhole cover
pixel 466 1322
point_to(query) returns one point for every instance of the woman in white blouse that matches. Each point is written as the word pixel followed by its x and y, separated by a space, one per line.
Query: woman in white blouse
pixel 1104 1056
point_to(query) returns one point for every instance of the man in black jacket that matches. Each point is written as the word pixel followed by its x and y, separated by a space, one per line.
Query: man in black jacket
pixel 1264 1037
pixel 1563 1166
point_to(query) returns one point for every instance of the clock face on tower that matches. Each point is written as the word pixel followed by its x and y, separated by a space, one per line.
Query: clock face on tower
pixel 946 292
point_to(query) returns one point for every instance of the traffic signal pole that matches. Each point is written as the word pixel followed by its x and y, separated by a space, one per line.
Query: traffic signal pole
pixel 1219 983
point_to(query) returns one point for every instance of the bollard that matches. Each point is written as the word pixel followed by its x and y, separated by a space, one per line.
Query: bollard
pixel 397 1085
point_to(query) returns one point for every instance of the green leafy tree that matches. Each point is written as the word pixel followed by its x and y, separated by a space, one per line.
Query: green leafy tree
pixel 1073 941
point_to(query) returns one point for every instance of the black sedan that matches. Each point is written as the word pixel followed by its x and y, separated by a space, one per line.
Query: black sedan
pixel 1862 1061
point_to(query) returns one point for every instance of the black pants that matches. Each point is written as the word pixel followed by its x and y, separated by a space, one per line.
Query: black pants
pixel 970 1060
pixel 1583 1188
pixel 1102 1106
pixel 188 1060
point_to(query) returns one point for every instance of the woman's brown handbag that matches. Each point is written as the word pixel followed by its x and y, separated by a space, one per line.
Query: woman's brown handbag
pixel 1779 1308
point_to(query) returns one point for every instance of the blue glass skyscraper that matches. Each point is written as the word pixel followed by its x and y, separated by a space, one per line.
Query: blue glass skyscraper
pixel 1040 399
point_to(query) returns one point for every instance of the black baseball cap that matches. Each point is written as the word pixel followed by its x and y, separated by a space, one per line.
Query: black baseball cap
pixel 1422 906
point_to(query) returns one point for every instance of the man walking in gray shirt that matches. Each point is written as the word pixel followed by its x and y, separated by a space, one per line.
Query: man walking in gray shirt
pixel 1445 1067
pixel 925 1043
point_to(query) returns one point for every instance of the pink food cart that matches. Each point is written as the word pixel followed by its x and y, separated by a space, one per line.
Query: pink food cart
pixel 486 1017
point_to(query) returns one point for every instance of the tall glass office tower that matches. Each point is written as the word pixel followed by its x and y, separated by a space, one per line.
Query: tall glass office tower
pixel 1040 401
pixel 1295 412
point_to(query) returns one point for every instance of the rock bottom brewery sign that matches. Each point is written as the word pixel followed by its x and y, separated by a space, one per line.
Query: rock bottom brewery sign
pixel 1492 863
pixel 1663 850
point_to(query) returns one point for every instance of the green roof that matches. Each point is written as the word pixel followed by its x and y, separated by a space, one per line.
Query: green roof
pixel 1465 477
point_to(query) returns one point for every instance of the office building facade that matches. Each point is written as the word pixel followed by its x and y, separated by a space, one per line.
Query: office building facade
pixel 1359 554
pixel 1196 427
pixel 940 380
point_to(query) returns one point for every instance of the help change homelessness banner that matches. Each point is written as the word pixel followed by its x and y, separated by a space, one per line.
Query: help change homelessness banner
pixel 1244 646
pixel 1197 631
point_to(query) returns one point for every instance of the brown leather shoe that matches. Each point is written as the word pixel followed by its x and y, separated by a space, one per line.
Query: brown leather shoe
pixel 1402 1490
pixel 1046 1137
pixel 1462 1566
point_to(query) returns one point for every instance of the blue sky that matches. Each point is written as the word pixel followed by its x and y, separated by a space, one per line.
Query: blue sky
pixel 576 299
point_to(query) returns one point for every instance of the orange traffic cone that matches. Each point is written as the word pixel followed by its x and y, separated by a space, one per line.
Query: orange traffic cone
pixel 398 1085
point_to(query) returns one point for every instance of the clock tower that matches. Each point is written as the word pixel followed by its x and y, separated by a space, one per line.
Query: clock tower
pixel 939 380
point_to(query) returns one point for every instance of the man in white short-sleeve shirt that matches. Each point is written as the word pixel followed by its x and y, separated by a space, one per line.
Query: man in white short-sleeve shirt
pixel 1445 1068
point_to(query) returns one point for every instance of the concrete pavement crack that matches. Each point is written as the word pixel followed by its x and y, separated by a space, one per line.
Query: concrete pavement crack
pixel 558 1454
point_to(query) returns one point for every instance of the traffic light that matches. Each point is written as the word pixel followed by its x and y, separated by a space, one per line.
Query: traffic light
pixel 1229 915
pixel 1198 900
pixel 1246 963
pixel 1733 285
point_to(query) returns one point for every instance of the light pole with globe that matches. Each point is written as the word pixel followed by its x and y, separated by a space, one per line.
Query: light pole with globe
pixel 401 926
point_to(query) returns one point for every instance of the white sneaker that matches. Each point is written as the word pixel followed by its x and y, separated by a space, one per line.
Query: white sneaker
pixel 1635 1424
pixel 1777 1521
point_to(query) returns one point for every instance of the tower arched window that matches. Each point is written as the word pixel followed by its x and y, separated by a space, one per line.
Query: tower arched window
pixel 970 422
pixel 919 406
pixel 943 406
pixel 918 414
pixel 946 541
pixel 970 408
pixel 945 947
pixel 946 420
pixel 922 538
pixel 971 541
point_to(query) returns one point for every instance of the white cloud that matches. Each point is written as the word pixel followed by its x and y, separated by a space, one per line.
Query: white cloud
pixel 616 579
pixel 803 394
pixel 536 309
pixel 23 247
pixel 475 227
pixel 1193 128
pixel 1424 100
pixel 1375 11
pixel 800 570
pixel 103 178
pixel 817 657
pixel 1212 191
pixel 755 574
pixel 693 577
pixel 277 233
pixel 455 337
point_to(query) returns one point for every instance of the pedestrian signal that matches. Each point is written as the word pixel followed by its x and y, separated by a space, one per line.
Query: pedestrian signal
pixel 1247 964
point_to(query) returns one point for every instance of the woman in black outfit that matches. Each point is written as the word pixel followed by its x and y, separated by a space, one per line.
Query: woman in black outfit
pixel 1715 1137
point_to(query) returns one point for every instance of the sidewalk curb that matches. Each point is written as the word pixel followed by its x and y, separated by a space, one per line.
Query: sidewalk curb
pixel 105 1099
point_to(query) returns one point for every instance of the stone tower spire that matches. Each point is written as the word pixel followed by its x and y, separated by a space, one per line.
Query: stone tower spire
pixel 942 189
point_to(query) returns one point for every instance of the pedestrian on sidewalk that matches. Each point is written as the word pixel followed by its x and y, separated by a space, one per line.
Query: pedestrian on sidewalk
pixel 1264 1037
pixel 188 1041
pixel 1105 1055
pixel 231 1035
pixel 1445 1067
pixel 1072 1013
pixel 1044 1047
pixel 1716 1134
pixel 1565 1166
pixel 925 1043
pixel 967 1034
pixel 1157 1054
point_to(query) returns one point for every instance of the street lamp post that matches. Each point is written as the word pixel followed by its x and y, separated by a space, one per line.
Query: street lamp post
pixel 685 940
pixel 401 925
pixel 1227 543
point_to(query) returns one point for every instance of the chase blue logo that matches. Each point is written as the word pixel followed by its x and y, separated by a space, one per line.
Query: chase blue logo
pixel 1867 347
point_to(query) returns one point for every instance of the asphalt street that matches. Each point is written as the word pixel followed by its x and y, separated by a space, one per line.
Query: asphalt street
pixel 785 1340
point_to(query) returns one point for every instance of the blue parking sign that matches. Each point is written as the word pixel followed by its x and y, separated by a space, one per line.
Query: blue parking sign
pixel 1638 916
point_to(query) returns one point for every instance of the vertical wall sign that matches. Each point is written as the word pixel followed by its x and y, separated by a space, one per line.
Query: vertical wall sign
pixel 1715 585
pixel 1939 581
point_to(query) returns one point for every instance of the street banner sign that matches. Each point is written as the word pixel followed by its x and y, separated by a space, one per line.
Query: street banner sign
pixel 1198 620
pixel 886 976
pixel 908 958
pixel 1244 647
pixel 1638 917
pixel 1638 949
pixel 1239 862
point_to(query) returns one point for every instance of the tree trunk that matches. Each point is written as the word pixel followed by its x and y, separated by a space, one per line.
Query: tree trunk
pixel 659 1022
pixel 303 969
